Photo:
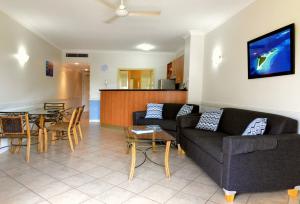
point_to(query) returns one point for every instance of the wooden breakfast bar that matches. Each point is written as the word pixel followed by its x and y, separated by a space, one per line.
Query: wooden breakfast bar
pixel 117 105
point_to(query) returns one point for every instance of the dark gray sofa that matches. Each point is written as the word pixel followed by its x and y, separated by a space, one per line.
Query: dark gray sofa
pixel 245 164
pixel 169 122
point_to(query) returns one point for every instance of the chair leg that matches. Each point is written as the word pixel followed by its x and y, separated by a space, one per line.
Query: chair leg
pixel 53 137
pixel 75 135
pixel 12 146
pixel 229 195
pixel 70 141
pixel 80 132
pixel 18 148
pixel 28 149
pixel 40 141
pixel 45 140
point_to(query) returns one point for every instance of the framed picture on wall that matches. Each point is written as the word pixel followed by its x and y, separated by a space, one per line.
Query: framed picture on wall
pixel 49 68
pixel 272 54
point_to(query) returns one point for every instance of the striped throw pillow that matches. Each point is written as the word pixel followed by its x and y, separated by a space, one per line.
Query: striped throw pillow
pixel 256 127
pixel 210 120
pixel 154 111
pixel 185 110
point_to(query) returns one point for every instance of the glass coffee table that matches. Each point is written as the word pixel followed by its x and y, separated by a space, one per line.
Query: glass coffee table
pixel 144 138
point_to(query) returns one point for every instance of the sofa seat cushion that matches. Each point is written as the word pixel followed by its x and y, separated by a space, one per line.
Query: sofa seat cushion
pixel 164 124
pixel 210 142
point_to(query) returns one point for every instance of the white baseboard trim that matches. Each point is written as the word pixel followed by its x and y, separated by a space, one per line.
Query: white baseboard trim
pixel 94 121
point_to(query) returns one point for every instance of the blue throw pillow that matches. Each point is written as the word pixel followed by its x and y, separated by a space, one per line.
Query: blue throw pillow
pixel 154 111
pixel 185 110
pixel 210 120
pixel 256 127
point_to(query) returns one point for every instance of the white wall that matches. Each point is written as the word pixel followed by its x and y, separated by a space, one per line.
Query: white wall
pixel 228 85
pixel 121 59
pixel 186 59
pixel 195 44
pixel 28 85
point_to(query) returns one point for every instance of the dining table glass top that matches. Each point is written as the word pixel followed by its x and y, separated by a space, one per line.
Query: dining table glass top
pixel 36 110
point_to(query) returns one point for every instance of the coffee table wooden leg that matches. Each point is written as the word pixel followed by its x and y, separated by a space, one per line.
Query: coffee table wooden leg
pixel 153 147
pixel 133 160
pixel 167 156
pixel 127 148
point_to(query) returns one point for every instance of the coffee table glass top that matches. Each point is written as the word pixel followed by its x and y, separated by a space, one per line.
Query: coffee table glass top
pixel 147 133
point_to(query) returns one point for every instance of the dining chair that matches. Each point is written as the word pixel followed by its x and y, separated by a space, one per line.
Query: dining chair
pixel 54 106
pixel 55 109
pixel 62 127
pixel 77 124
pixel 16 126
pixel 78 120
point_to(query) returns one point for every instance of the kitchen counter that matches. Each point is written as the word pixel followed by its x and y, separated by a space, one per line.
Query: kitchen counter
pixel 142 90
pixel 117 105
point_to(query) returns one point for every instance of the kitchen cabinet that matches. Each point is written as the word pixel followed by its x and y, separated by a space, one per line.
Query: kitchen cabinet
pixel 175 69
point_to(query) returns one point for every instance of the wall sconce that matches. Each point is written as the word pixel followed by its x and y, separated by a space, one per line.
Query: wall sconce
pixel 22 56
pixel 217 57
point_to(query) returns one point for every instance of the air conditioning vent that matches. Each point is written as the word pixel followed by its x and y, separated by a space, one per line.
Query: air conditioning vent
pixel 76 55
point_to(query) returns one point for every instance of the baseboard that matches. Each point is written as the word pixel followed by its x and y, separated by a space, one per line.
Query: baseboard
pixel 94 121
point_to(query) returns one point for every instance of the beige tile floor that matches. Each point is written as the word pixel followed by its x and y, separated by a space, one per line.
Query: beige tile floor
pixel 97 172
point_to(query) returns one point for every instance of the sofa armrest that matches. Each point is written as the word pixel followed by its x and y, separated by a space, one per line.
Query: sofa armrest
pixel 260 163
pixel 138 115
pixel 188 121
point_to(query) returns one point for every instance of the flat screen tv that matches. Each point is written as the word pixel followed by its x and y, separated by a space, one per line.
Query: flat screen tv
pixel 272 54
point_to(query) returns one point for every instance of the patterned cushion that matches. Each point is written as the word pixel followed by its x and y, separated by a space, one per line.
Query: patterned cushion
pixel 210 120
pixel 256 127
pixel 154 111
pixel 185 110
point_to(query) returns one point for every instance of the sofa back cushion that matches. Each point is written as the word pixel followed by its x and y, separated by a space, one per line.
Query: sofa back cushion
pixel 235 121
pixel 170 110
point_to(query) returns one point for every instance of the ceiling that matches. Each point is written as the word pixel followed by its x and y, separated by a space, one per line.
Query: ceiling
pixel 79 24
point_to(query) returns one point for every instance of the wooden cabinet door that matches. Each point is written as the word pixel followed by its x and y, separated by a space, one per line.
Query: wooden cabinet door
pixel 169 70
pixel 179 69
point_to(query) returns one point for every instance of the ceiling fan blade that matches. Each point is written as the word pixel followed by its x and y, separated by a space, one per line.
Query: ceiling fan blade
pixel 112 19
pixel 144 13
pixel 108 4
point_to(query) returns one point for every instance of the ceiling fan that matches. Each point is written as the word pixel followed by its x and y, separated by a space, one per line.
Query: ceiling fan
pixel 121 11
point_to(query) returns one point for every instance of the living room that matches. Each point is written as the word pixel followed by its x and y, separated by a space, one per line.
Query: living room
pixel 130 101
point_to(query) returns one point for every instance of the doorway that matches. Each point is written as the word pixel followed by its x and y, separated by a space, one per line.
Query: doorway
pixel 136 78
pixel 77 88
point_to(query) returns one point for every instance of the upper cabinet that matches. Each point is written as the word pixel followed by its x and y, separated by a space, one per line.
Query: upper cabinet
pixel 175 69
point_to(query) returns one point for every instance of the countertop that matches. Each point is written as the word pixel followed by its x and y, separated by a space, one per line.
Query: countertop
pixel 141 90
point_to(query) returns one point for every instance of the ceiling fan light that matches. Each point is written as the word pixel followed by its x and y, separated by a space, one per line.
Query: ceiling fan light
pixel 121 12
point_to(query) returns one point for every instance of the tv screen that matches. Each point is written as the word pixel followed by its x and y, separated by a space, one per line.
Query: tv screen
pixel 272 54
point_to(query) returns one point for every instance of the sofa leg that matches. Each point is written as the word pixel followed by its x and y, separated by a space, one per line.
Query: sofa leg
pixel 293 193
pixel 180 150
pixel 229 195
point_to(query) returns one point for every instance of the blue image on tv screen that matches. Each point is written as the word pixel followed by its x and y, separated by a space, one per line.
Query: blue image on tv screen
pixel 270 55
